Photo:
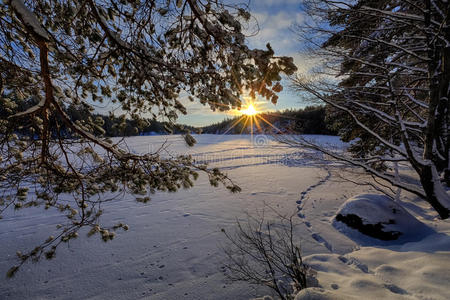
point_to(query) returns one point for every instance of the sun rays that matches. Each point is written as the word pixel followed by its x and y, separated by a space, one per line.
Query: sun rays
pixel 250 118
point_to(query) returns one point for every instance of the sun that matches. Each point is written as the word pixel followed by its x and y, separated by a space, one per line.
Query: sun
pixel 250 110
pixel 250 117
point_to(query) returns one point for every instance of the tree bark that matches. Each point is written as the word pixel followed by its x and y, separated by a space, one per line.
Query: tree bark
pixel 445 98
pixel 45 73
pixel 430 187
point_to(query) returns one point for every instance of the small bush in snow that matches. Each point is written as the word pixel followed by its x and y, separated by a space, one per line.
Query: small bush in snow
pixel 264 253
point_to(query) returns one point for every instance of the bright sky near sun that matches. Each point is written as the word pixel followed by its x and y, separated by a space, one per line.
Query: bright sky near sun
pixel 275 18
pixel 250 110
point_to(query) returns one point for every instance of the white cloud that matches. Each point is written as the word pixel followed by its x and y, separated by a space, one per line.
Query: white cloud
pixel 275 29
pixel 267 3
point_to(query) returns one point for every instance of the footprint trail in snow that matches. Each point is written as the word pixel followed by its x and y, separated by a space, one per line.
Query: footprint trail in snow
pixel 301 203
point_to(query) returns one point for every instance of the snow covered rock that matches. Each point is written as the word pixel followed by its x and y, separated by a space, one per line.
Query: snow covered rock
pixel 378 217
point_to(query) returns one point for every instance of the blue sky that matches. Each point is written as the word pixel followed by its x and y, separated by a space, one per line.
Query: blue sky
pixel 275 18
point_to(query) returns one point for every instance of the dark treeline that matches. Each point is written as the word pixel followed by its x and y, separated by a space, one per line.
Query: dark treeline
pixel 118 126
pixel 309 120
pixel 102 125
pixel 111 126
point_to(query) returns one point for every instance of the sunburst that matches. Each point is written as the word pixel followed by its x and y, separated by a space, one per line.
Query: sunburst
pixel 250 116
pixel 250 110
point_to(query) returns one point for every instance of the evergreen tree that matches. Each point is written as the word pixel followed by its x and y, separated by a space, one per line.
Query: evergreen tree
pixel 67 56
pixel 390 60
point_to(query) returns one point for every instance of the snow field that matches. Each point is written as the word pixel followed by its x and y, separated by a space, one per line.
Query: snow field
pixel 172 250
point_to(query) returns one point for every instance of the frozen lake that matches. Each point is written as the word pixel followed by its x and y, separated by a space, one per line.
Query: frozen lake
pixel 173 247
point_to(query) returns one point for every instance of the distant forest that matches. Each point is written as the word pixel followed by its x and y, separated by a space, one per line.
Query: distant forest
pixel 309 120
pixel 102 125
pixel 119 126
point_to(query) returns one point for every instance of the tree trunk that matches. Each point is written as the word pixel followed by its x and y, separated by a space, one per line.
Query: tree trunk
pixel 432 191
pixel 445 96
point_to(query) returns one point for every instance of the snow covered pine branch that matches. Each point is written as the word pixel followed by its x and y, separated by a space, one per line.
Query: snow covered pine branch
pixel 385 76
pixel 135 55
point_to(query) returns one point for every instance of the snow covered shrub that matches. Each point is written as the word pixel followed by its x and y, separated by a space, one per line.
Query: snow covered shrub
pixel 263 252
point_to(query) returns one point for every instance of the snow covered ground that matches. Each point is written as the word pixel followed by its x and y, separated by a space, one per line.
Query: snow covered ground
pixel 172 250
